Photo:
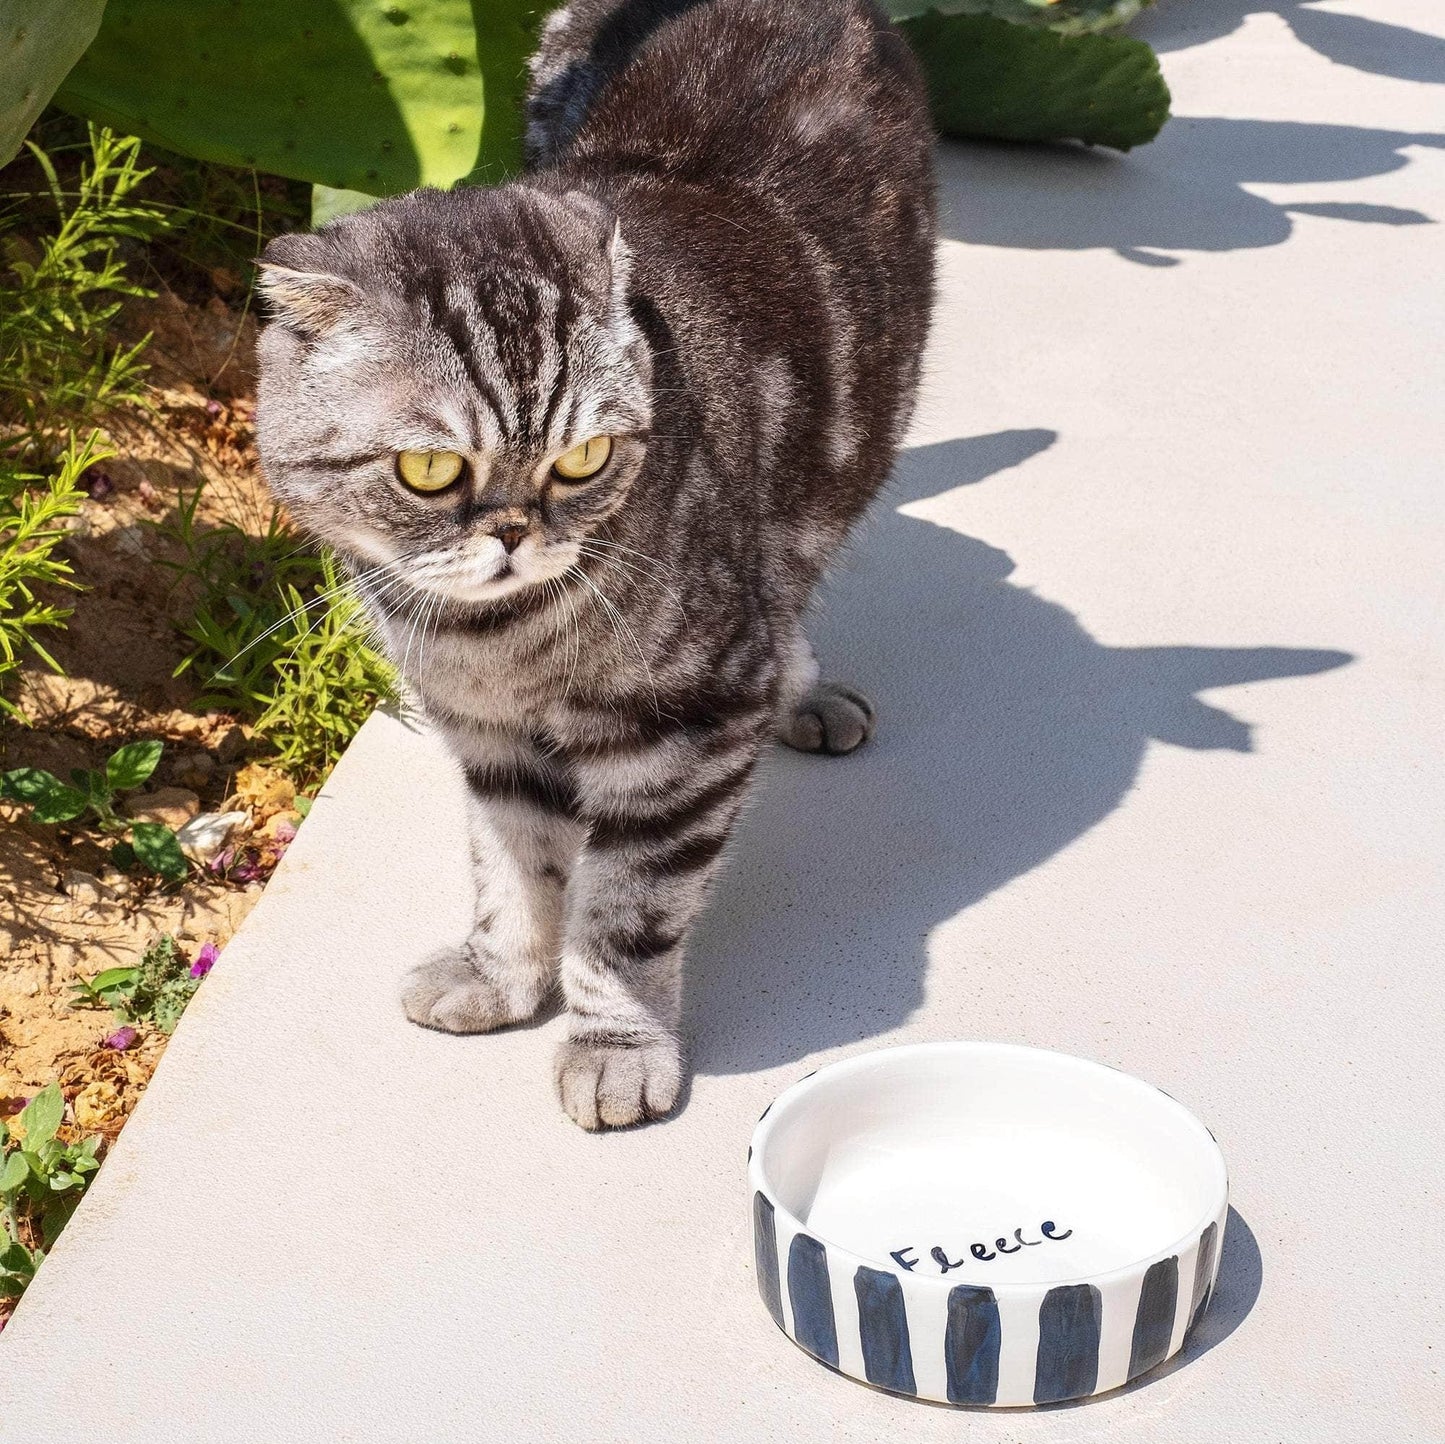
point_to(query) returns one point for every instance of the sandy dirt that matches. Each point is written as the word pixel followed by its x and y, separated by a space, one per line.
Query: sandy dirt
pixel 64 912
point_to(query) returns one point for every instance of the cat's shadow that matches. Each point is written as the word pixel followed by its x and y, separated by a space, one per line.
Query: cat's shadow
pixel 1006 732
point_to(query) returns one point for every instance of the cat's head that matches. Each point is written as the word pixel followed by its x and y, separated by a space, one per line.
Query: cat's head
pixel 452 384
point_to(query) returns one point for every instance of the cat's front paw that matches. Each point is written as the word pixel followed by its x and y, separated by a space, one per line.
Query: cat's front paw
pixel 449 992
pixel 613 1081
pixel 831 718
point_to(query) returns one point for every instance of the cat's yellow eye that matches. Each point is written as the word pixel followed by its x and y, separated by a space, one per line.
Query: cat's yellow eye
pixel 585 460
pixel 428 470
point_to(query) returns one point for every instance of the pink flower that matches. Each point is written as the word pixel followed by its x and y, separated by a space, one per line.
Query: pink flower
pixel 121 1039
pixel 247 867
pixel 205 960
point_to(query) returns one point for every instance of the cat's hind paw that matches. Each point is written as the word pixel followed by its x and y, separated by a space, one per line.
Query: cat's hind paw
pixel 449 992
pixel 613 1081
pixel 831 718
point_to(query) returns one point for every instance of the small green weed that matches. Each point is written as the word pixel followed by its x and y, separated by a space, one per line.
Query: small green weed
pixel 58 362
pixel 33 512
pixel 41 1181
pixel 236 624
pixel 96 793
pixel 154 991
pixel 273 629
pixel 328 682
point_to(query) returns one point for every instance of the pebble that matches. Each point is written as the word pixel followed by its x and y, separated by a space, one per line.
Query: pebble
pixel 204 836
pixel 194 769
pixel 85 888
pixel 233 744
pixel 187 724
pixel 117 882
pixel 172 806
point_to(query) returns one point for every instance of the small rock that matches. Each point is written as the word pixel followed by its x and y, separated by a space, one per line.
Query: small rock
pixel 85 888
pixel 187 724
pixel 171 806
pixel 204 836
pixel 130 539
pixel 194 769
pixel 233 744
pixel 116 881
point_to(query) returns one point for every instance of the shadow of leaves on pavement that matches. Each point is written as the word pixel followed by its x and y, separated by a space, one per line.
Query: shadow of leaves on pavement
pixel 1185 192
pixel 1006 732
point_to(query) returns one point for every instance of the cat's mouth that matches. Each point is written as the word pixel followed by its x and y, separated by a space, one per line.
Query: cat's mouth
pixel 472 578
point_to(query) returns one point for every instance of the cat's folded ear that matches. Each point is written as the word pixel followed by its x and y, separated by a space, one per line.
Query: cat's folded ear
pixel 605 232
pixel 300 293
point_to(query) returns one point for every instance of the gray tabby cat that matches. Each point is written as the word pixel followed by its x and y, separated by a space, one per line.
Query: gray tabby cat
pixel 586 442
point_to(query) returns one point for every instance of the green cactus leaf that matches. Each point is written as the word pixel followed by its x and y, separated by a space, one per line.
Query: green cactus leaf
pixel 327 204
pixel 376 96
pixel 1068 17
pixel 994 79
pixel 39 41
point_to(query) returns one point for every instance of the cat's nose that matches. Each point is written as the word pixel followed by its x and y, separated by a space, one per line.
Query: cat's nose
pixel 511 536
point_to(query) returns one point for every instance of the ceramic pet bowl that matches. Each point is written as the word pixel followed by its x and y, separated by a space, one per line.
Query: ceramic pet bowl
pixel 976 1223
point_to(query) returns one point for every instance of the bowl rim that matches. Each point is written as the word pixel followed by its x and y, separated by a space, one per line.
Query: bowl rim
pixel 859 1062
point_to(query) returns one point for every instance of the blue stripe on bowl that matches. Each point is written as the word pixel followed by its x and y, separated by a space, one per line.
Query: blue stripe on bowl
pixel 1154 1321
pixel 971 1345
pixel 883 1331
pixel 1203 1274
pixel 812 1299
pixel 1068 1361
pixel 765 1257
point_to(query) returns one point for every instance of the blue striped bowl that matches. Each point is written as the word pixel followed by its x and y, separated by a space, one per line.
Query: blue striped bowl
pixel 978 1223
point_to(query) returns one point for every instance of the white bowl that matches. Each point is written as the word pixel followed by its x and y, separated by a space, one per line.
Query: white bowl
pixel 978 1223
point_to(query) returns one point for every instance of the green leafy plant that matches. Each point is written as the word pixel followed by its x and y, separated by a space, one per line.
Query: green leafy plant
pixel 992 78
pixel 273 633
pixel 1067 17
pixel 238 588
pixel 352 94
pixel 61 292
pixel 154 991
pixel 41 40
pixel 368 99
pixel 96 793
pixel 41 1181
pixel 328 682
pixel 33 511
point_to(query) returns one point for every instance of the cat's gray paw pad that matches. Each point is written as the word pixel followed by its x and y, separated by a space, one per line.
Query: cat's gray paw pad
pixel 832 719
pixel 611 1084
pixel 447 992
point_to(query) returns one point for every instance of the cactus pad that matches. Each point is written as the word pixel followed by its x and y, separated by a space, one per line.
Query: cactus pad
pixel 39 41
pixel 1068 17
pixel 365 95
pixel 991 78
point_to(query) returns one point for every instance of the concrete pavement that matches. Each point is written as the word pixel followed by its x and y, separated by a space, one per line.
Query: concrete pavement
pixel 1154 619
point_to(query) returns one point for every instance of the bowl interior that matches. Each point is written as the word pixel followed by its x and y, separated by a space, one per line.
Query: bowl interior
pixel 989 1163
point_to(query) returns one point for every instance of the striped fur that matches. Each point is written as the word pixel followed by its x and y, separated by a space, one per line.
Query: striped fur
pixel 721 257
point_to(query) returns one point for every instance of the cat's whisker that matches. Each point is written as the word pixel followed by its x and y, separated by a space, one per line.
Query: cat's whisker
pixel 618 621
pixel 327 596
pixel 638 572
pixel 661 567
